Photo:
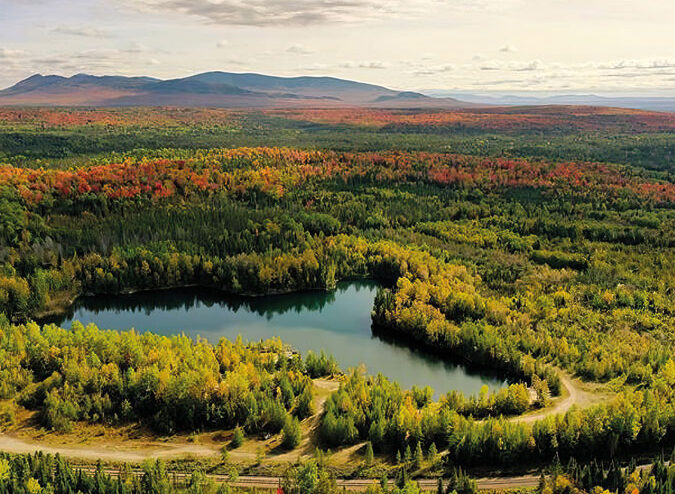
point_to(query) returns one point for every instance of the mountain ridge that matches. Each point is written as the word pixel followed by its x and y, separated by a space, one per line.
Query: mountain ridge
pixel 648 103
pixel 215 88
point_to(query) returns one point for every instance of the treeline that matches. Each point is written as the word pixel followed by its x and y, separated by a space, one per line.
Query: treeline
pixel 603 478
pixel 376 410
pixel 31 474
pixel 436 304
pixel 31 139
pixel 41 473
pixel 452 288
pixel 169 383
pixel 445 313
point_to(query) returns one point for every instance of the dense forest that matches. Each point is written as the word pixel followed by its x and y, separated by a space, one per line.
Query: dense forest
pixel 63 136
pixel 170 383
pixel 491 247
pixel 31 474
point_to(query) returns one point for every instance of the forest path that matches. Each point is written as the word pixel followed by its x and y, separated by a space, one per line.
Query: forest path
pixel 88 447
pixel 95 443
pixel 574 394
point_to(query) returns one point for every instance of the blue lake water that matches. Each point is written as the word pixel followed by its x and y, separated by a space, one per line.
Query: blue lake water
pixel 338 322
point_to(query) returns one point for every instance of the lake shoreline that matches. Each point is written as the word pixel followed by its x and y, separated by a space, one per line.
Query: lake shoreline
pixel 337 321
pixel 61 307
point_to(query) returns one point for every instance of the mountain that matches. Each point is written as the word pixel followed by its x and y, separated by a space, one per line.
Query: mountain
pixel 652 103
pixel 219 89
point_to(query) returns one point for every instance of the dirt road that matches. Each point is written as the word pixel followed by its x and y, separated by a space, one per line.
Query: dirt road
pixel 272 482
pixel 574 395
pixel 136 451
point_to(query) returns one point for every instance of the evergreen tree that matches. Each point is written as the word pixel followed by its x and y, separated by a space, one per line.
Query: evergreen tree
pixel 237 437
pixel 432 454
pixel 419 456
pixel 291 434
pixel 369 454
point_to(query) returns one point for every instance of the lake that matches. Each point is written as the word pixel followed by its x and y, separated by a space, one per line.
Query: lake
pixel 337 322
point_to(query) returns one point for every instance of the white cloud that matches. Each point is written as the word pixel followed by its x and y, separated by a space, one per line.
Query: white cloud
pixel 86 32
pixel 416 41
pixel 271 12
pixel 433 70
pixel 526 67
pixel 364 65
pixel 491 65
pixel 6 53
pixel 317 67
pixel 299 50
pixel 498 65
pixel 311 12
pixel 639 64
pixel 136 48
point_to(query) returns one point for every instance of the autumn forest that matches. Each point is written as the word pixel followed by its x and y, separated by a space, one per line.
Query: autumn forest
pixel 532 243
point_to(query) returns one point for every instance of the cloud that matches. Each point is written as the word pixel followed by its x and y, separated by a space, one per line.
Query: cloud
pixel 434 70
pixel 511 66
pixel 508 49
pixel 6 54
pixel 328 68
pixel 264 13
pixel 639 64
pixel 317 67
pixel 534 65
pixel 98 54
pixel 632 75
pixel 104 59
pixel 364 65
pixel 299 50
pixel 491 66
pixel 135 48
pixel 11 59
pixel 50 61
pixel 80 31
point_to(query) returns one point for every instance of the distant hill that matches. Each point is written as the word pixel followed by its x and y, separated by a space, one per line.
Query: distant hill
pixel 218 89
pixel 652 103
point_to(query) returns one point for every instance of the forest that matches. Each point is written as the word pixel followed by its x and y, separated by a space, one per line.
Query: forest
pixel 29 474
pixel 535 261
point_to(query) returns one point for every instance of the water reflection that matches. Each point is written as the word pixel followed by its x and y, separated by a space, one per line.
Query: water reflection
pixel 186 299
pixel 337 322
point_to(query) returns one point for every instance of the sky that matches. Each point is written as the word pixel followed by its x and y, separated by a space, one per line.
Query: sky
pixel 621 47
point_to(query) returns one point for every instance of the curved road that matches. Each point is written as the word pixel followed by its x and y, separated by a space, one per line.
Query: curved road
pixel 112 453
pixel 561 405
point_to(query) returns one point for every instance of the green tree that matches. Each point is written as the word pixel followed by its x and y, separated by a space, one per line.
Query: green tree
pixel 369 456
pixel 291 434
pixel 305 407
pixel 237 437
pixel 432 455
pixel 419 456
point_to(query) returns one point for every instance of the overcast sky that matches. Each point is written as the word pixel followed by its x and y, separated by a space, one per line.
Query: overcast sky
pixel 625 46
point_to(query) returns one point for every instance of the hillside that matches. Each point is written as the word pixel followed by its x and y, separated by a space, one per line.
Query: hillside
pixel 215 89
